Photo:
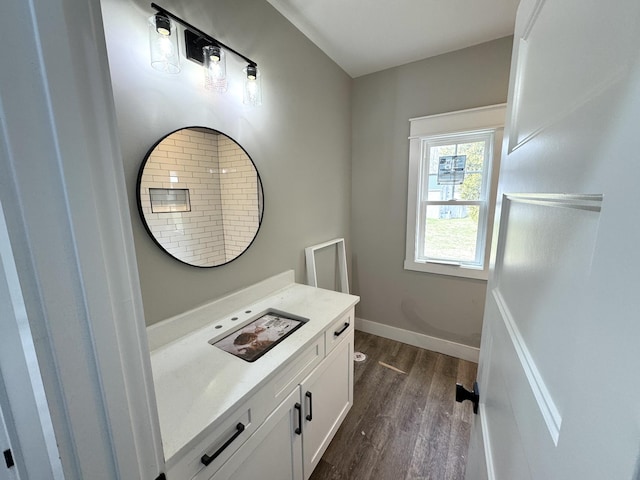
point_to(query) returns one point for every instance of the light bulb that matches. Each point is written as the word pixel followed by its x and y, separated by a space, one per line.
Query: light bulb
pixel 163 25
pixel 163 44
pixel 215 68
pixel 252 86
pixel 165 47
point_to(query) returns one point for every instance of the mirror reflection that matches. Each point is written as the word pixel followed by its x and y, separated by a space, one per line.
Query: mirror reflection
pixel 200 197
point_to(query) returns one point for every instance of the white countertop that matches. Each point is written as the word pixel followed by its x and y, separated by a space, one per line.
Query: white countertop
pixel 196 383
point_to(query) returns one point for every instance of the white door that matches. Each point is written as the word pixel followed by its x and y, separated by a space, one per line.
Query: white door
pixel 560 356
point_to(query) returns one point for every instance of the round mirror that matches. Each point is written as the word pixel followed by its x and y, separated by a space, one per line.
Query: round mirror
pixel 200 197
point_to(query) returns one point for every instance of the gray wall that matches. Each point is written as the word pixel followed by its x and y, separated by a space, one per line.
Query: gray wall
pixel 445 307
pixel 300 139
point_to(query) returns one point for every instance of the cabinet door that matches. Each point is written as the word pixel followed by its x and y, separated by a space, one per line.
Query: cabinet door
pixel 327 396
pixel 274 451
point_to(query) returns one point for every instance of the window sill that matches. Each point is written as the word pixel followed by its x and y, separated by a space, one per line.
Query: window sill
pixel 444 269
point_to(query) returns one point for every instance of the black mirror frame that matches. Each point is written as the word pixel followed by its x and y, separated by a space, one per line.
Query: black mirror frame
pixel 141 212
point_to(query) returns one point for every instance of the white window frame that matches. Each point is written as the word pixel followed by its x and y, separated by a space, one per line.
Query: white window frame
pixel 431 129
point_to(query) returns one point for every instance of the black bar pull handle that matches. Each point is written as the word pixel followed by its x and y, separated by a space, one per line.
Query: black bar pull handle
pixel 310 397
pixel 299 429
pixel 341 331
pixel 206 459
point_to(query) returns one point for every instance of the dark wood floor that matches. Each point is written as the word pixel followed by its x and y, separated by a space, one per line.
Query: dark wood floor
pixel 402 426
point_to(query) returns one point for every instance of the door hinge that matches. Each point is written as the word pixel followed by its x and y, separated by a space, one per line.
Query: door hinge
pixel 463 394
pixel 8 458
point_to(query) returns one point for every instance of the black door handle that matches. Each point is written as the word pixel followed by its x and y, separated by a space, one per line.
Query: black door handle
pixel 310 416
pixel 341 331
pixel 206 459
pixel 463 394
pixel 298 430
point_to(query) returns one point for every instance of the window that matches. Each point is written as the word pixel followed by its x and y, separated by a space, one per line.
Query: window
pixel 452 169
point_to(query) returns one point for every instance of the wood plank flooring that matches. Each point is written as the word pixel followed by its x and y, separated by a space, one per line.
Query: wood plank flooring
pixel 402 426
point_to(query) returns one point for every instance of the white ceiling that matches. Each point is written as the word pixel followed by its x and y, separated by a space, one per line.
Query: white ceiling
pixel 366 36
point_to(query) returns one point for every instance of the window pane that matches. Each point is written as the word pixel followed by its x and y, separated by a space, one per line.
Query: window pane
pixel 434 156
pixel 451 233
pixel 435 190
pixel 466 186
pixel 472 185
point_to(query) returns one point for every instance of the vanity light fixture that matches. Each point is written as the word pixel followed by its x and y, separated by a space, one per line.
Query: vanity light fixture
pixel 163 44
pixel 209 52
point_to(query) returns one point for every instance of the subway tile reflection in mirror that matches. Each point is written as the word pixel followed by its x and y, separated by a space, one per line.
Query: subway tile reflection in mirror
pixel 166 200
pixel 200 197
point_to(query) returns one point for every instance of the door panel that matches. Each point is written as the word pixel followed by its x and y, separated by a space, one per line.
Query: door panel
pixel 554 78
pixel 512 462
pixel 523 420
pixel 547 243
pixel 561 329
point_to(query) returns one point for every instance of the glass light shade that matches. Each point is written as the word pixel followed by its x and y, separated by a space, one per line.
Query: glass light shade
pixel 215 68
pixel 163 45
pixel 252 86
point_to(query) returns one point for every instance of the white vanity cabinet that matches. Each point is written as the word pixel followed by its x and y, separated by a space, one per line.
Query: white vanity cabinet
pixel 290 443
pixel 272 418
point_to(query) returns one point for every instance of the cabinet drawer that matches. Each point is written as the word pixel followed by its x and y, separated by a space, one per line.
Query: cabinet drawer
pixel 300 366
pixel 339 330
pixel 220 443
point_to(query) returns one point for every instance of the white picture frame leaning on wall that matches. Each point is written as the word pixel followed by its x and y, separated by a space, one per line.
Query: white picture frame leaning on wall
pixel 310 252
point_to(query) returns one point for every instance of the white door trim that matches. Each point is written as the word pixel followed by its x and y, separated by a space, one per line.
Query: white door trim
pixel 25 423
pixel 68 220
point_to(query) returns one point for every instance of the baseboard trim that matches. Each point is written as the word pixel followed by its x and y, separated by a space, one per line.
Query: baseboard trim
pixel 421 340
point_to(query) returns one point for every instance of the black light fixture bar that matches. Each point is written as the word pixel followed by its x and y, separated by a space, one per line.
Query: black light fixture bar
pixel 195 39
